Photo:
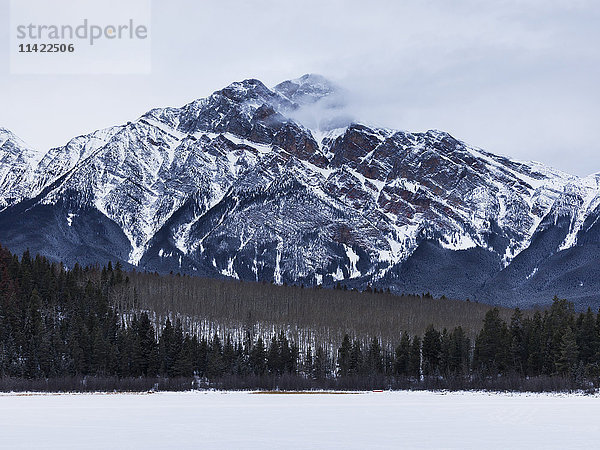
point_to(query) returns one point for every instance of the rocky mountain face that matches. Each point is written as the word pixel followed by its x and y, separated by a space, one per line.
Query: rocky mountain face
pixel 239 185
pixel 17 162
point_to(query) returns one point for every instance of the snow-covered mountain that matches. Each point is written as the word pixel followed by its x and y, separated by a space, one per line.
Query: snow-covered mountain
pixel 249 183
pixel 17 163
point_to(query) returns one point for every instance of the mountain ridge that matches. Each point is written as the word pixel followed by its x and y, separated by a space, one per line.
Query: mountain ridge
pixel 234 185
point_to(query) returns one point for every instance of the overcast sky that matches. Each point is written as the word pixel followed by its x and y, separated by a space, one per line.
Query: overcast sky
pixel 518 78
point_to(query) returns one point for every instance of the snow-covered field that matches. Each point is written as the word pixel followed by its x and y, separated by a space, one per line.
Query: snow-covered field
pixel 246 420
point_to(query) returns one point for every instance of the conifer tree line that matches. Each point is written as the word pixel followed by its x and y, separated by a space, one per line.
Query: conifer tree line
pixel 65 323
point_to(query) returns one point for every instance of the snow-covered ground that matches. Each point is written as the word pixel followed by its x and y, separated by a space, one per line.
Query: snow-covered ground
pixel 245 420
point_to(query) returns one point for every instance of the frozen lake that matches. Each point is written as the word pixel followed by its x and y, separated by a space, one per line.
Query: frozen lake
pixel 246 420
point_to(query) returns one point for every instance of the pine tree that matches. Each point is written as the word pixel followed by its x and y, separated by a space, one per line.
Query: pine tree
pixel 518 351
pixel 459 356
pixel 375 358
pixel 344 356
pixel 166 345
pixel 215 366
pixel 534 337
pixel 33 331
pixel 492 344
pixel 402 355
pixel 202 357
pixel 294 356
pixel 258 358
pixel 145 352
pixel 288 355
pixel 273 357
pixel 587 337
pixel 184 363
pixel 445 353
pixel 414 362
pixel 568 353
pixel 431 351
pixel 229 356
pixel 356 359
pixel 560 317
pixel 100 352
pixel 320 364
pixel 308 363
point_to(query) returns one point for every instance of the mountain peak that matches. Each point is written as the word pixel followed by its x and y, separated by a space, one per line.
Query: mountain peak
pixel 309 88
pixel 6 134
pixel 245 89
pixel 321 103
pixel 10 142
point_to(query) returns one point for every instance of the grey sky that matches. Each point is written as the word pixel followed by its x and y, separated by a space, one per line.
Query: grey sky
pixel 517 78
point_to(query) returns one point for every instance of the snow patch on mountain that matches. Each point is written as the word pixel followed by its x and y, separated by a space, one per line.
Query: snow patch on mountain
pixel 588 191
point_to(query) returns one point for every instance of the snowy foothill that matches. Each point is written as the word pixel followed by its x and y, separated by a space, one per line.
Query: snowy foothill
pixel 302 420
